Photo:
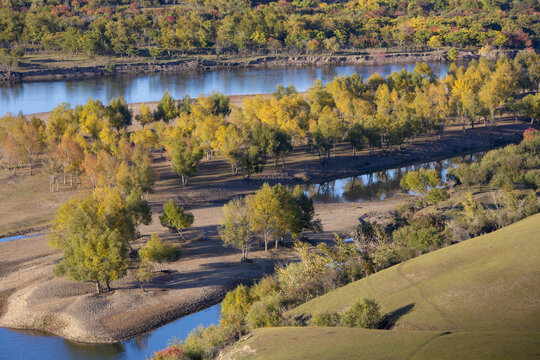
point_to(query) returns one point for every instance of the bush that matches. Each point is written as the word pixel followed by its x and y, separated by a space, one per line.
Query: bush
pixel 532 178
pixel 205 343
pixel 171 353
pixel 364 313
pixel 268 285
pixel 436 195
pixel 424 233
pixel 326 318
pixel 235 306
pixel 266 312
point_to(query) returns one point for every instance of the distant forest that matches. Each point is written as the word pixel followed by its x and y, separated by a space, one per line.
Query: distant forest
pixel 170 27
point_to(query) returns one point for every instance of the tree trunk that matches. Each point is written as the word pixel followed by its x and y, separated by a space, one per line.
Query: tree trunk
pixel 181 234
pixel 141 285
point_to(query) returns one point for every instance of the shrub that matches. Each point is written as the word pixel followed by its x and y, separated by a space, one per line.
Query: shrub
pixel 156 250
pixel 436 195
pixel 363 313
pixel 326 318
pixel 235 306
pixel 529 205
pixel 532 178
pixel 266 312
pixel 171 353
pixel 268 285
pixel 205 343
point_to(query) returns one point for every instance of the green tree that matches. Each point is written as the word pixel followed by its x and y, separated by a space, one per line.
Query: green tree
pixel 118 113
pixel 236 227
pixel 139 209
pixel 166 110
pixel 174 217
pixel 93 233
pixel 186 155
pixel 144 273
pixel 421 180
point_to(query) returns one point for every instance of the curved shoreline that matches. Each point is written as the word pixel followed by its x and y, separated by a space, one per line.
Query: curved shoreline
pixel 143 68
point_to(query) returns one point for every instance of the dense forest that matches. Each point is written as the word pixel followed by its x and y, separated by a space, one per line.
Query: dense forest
pixel 155 29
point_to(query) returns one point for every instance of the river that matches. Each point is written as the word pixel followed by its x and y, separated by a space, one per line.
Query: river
pixel 35 346
pixel 41 96
pixel 379 185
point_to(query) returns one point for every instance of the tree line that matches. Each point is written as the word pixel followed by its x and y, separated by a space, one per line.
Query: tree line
pixel 151 29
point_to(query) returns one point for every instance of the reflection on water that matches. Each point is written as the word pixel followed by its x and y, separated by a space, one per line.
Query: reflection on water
pixel 33 346
pixel 40 96
pixel 378 185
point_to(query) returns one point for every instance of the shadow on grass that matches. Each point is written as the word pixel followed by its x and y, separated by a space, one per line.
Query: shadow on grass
pixel 389 320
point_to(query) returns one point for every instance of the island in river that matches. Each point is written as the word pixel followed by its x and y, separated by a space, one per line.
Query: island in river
pixel 32 298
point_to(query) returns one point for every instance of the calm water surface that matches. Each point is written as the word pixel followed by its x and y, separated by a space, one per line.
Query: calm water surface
pixel 40 96
pixel 378 185
pixel 24 345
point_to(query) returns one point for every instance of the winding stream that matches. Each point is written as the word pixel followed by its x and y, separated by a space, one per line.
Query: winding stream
pixel 378 185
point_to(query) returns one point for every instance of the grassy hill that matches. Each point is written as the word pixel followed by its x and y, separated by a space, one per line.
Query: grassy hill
pixel 479 299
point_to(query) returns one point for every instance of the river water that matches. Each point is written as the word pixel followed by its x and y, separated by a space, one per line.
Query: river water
pixel 41 96
pixel 378 185
pixel 34 346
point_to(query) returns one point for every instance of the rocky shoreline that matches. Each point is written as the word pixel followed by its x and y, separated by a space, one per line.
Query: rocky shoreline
pixel 201 64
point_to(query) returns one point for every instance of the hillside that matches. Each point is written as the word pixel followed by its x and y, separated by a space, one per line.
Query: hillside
pixel 477 299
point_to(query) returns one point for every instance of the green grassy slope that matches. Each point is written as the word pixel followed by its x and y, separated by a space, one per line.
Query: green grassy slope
pixel 482 284
pixel 313 343
pixel 479 299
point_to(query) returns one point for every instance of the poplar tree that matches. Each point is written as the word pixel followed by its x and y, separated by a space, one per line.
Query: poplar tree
pixel 93 232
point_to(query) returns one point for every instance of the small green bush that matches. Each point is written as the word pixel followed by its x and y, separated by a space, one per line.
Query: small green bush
pixel 205 343
pixel 266 312
pixel 436 195
pixel 326 318
pixel 268 285
pixel 364 313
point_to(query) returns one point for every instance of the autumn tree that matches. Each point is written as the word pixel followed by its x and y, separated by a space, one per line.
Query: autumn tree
pixel 235 229
pixel 93 232
pixel 274 213
pixel 145 116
